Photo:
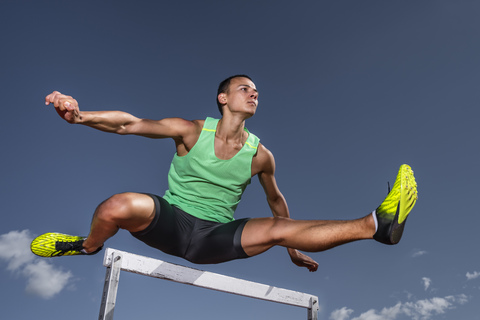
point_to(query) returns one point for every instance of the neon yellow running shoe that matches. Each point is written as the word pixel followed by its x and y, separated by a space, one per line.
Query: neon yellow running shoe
pixel 392 214
pixel 58 244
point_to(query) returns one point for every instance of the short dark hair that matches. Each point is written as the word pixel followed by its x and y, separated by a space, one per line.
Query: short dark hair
pixel 223 87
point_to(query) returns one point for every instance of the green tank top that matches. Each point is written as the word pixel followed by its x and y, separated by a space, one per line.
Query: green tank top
pixel 207 187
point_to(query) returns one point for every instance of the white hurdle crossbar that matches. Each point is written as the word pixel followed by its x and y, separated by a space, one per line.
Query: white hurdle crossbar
pixel 116 260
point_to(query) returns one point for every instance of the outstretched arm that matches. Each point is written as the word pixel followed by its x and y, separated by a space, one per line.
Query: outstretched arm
pixel 277 202
pixel 120 122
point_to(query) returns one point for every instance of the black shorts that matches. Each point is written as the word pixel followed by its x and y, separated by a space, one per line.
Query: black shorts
pixel 178 233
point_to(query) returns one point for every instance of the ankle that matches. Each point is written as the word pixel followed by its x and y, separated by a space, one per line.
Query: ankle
pixel 371 223
pixel 88 248
pixel 374 218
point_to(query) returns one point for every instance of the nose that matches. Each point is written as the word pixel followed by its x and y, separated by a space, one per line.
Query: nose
pixel 254 94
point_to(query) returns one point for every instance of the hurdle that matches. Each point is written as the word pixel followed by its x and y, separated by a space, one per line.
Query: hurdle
pixel 116 260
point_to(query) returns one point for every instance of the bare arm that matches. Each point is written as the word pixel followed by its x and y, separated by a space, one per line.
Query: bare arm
pixel 120 122
pixel 265 165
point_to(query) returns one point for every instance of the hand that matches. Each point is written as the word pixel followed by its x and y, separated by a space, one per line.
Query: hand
pixel 66 106
pixel 303 260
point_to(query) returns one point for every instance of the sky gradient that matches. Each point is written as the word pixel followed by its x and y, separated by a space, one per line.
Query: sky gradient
pixel 348 91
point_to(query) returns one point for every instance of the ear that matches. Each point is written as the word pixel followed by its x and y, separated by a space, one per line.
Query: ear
pixel 222 97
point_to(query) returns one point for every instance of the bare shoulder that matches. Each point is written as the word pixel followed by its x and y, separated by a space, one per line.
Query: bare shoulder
pixel 176 128
pixel 193 128
pixel 187 133
pixel 263 161
pixel 183 125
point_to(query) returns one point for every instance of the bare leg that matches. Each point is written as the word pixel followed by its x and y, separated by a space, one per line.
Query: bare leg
pixel 129 211
pixel 261 234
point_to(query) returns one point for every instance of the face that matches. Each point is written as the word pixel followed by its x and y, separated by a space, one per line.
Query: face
pixel 241 96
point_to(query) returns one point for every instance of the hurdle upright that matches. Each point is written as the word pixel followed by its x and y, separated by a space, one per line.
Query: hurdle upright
pixel 116 260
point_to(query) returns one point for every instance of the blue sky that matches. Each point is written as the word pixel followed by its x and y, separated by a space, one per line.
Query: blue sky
pixel 349 90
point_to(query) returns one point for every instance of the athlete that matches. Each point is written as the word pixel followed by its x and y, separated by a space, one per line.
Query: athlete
pixel 214 162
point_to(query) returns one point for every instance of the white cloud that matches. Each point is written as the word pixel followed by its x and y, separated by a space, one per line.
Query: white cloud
pixel 462 299
pixel 341 314
pixel 12 249
pixel 43 279
pixel 419 310
pixel 418 253
pixel 426 282
pixel 474 275
pixel 385 314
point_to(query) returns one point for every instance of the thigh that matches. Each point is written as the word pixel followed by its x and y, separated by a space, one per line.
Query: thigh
pixel 130 211
pixel 169 230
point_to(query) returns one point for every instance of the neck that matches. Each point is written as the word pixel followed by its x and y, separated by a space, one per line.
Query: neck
pixel 231 128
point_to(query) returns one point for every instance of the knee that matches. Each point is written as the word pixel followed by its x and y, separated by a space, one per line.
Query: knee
pixel 117 207
pixel 278 230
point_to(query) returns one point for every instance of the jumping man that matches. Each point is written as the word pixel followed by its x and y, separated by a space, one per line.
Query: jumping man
pixel 214 162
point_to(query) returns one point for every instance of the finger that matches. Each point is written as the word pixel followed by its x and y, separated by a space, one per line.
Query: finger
pixel 65 103
pixel 49 98
pixel 60 104
pixel 68 116
pixel 59 100
pixel 312 268
pixel 71 104
pixel 56 96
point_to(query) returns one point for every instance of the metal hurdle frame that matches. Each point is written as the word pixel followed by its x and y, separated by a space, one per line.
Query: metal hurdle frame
pixel 116 260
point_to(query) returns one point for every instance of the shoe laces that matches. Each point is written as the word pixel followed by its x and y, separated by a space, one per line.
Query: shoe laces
pixel 65 246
